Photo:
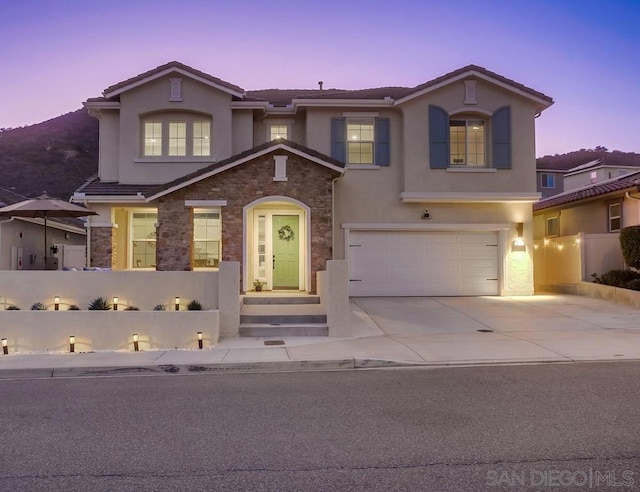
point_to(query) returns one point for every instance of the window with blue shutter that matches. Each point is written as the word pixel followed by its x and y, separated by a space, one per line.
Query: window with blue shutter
pixel 383 145
pixel 363 140
pixel 501 132
pixel 338 136
pixel 438 138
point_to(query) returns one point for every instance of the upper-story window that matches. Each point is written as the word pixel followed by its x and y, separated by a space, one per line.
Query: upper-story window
pixel 615 217
pixel 278 131
pixel 168 135
pixel 547 180
pixel 152 138
pixel 361 140
pixel 177 138
pixel 468 140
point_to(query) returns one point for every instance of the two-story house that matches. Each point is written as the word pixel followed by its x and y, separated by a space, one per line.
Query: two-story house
pixel 424 191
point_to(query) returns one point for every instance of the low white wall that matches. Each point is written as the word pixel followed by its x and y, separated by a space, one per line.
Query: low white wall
pixel 49 331
pixel 141 289
pixel 333 287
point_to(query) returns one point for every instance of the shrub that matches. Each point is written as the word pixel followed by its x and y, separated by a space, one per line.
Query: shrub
pixel 74 307
pixel 630 245
pixel 132 308
pixel 194 306
pixel 159 307
pixel 38 306
pixel 99 304
pixel 13 308
pixel 616 278
pixel 634 284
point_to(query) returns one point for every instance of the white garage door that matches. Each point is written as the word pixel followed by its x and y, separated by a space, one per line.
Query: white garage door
pixel 392 263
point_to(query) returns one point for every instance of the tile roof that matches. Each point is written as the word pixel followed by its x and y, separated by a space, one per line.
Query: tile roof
pixel 284 97
pixel 627 182
pixel 95 187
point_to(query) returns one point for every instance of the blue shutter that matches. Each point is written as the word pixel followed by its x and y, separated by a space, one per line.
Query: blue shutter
pixel 501 131
pixel 438 138
pixel 382 153
pixel 338 136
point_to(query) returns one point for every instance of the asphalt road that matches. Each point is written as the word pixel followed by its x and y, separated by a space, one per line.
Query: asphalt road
pixel 539 427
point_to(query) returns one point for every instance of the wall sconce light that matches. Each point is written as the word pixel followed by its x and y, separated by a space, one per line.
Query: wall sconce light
pixel 177 304
pixel 518 243
pixel 200 340
pixel 56 303
pixel 136 348
pixel 5 346
pixel 426 215
pixel 115 303
pixel 72 343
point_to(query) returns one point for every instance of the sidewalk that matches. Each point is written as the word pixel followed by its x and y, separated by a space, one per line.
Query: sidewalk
pixel 389 332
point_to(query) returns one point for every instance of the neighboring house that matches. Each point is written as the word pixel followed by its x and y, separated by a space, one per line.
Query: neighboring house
pixel 22 240
pixel 602 207
pixel 580 228
pixel 422 190
pixel 555 177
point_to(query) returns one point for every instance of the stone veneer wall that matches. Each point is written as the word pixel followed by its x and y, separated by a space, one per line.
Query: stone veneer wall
pixel 175 233
pixel 308 182
pixel 103 247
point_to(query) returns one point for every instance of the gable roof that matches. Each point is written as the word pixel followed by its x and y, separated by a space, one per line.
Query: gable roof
pixel 167 68
pixel 146 193
pixel 287 97
pixel 627 182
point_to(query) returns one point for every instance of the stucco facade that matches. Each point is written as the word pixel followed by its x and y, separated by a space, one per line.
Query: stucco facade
pixel 310 174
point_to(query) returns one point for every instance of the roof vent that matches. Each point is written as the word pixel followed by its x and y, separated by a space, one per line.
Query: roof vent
pixel 320 84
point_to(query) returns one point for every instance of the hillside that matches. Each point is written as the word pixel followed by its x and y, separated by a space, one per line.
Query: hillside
pixel 582 156
pixel 55 156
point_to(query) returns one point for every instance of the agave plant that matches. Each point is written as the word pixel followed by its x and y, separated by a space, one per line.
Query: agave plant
pixel 38 306
pixel 194 306
pixel 132 308
pixel 13 308
pixel 99 304
pixel 74 307
pixel 159 307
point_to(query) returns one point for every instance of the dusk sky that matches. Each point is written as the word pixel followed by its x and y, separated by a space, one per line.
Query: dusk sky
pixel 584 54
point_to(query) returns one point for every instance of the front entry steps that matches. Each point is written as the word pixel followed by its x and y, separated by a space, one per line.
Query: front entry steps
pixel 271 315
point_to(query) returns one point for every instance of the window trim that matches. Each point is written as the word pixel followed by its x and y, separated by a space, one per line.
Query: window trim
pixel 547 176
pixel 131 240
pixel 555 218
pixel 467 119
pixel 206 210
pixel 372 142
pixel 166 120
pixel 610 217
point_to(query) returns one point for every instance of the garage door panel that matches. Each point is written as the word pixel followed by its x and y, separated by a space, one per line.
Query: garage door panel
pixel 394 263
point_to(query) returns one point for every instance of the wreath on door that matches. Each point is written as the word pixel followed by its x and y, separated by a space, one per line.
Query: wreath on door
pixel 285 233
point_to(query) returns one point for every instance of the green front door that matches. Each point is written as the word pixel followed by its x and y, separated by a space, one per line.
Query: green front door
pixel 286 251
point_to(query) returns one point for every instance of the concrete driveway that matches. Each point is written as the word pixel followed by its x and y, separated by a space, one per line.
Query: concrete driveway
pixel 463 330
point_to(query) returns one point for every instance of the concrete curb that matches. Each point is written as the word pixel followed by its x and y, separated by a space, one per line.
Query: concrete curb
pixel 264 367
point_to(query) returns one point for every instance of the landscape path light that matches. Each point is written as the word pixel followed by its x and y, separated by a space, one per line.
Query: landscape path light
pixel 56 303
pixel 72 343
pixel 5 346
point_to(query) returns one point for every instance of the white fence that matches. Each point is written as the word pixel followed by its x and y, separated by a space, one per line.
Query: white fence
pixel 569 260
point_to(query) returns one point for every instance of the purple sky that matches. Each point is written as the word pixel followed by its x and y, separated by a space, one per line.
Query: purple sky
pixel 585 54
